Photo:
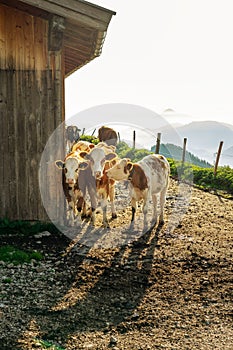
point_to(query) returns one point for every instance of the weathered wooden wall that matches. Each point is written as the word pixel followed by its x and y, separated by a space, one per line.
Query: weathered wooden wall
pixel 31 95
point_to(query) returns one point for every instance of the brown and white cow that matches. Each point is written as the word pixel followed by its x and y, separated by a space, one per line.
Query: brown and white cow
pixel 147 178
pixel 96 182
pixel 71 187
pixel 72 136
pixel 82 146
pixel 107 135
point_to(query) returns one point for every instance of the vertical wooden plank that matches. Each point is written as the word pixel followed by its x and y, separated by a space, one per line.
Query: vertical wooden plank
pixel 4 142
pixel 2 37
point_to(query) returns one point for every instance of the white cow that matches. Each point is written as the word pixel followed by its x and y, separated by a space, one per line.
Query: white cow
pixel 147 178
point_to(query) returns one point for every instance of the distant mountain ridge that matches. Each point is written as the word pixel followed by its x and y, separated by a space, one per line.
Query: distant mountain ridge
pixel 203 139
pixel 175 152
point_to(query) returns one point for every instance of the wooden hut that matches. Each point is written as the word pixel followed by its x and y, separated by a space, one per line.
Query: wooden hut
pixel 41 42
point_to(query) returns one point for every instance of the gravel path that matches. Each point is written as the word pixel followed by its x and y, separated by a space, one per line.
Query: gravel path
pixel 167 288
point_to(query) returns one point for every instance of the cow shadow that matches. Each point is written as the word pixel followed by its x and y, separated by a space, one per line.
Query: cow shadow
pixel 104 287
pixel 104 299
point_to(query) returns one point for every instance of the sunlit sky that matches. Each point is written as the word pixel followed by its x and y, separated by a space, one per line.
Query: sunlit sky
pixel 162 54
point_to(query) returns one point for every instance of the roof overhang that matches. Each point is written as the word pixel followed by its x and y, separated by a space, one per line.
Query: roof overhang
pixel 84 26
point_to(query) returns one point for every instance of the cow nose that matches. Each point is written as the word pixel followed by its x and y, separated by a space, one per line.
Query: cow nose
pixel 70 181
pixel 97 174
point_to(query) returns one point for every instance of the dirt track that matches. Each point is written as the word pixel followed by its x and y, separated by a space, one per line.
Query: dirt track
pixel 169 288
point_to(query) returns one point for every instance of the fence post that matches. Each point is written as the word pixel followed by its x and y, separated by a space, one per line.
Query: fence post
pixel 93 132
pixel 158 143
pixel 184 150
pixel 217 158
pixel 83 131
pixel 134 138
pixel 119 137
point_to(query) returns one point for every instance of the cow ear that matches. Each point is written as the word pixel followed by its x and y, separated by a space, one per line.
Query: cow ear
pixel 83 154
pixel 83 165
pixel 129 166
pixel 59 164
pixel 110 156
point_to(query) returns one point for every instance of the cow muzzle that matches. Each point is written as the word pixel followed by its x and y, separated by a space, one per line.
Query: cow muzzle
pixel 70 181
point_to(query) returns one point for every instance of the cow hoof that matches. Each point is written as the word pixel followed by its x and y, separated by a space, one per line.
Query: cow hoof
pixel 114 216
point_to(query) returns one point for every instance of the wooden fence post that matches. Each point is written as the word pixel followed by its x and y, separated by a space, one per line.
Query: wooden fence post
pixel 83 131
pixel 158 143
pixel 134 138
pixel 184 150
pixel 217 158
pixel 93 132
pixel 119 138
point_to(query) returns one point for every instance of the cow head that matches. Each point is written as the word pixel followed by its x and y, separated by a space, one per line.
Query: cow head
pixel 72 133
pixel 96 159
pixel 70 169
pixel 121 170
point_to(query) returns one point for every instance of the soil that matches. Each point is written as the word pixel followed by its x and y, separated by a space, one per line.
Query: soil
pixel 163 287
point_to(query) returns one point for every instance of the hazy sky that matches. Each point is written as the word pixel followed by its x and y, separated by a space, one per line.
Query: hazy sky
pixel 162 54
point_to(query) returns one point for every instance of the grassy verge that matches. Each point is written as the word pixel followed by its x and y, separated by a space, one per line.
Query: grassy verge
pixel 11 254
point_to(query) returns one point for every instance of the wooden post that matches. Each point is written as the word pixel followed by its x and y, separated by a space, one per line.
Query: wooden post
pixel 119 138
pixel 134 138
pixel 83 131
pixel 93 132
pixel 184 150
pixel 217 158
pixel 158 143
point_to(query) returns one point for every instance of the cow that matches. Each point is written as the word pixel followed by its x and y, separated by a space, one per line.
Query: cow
pixel 71 188
pixel 95 181
pixel 107 135
pixel 82 146
pixel 147 178
pixel 72 136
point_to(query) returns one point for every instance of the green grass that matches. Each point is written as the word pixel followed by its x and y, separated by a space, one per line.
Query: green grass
pixel 11 254
pixel 47 345
pixel 25 227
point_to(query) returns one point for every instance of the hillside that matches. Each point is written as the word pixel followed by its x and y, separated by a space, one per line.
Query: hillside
pixel 175 152
pixel 203 138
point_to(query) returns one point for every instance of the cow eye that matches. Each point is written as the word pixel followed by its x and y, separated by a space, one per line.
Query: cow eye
pixel 76 170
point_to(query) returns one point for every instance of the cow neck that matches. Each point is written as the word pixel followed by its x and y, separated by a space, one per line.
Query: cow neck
pixel 137 177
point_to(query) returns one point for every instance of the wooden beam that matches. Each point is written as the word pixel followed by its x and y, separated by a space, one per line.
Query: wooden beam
pixel 82 13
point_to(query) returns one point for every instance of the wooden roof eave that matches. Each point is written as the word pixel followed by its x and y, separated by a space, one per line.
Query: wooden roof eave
pixel 78 11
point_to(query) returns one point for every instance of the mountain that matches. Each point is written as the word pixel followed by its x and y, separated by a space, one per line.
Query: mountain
pixel 203 139
pixel 175 152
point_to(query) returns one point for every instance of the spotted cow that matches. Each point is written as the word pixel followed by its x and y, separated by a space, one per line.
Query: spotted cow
pixel 72 136
pixel 147 178
pixel 71 187
pixel 107 135
pixel 95 181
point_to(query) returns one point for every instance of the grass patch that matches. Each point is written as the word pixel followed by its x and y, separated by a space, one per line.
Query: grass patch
pixel 48 345
pixel 26 228
pixel 11 254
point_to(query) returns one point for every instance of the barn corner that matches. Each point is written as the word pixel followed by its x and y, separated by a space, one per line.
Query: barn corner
pixel 41 43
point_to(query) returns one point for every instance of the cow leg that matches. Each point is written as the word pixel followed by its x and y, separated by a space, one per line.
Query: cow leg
pixel 134 207
pixel 154 199
pixel 162 204
pixel 104 209
pixel 112 198
pixel 71 213
pixel 145 209
pixel 93 199
pixel 80 204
